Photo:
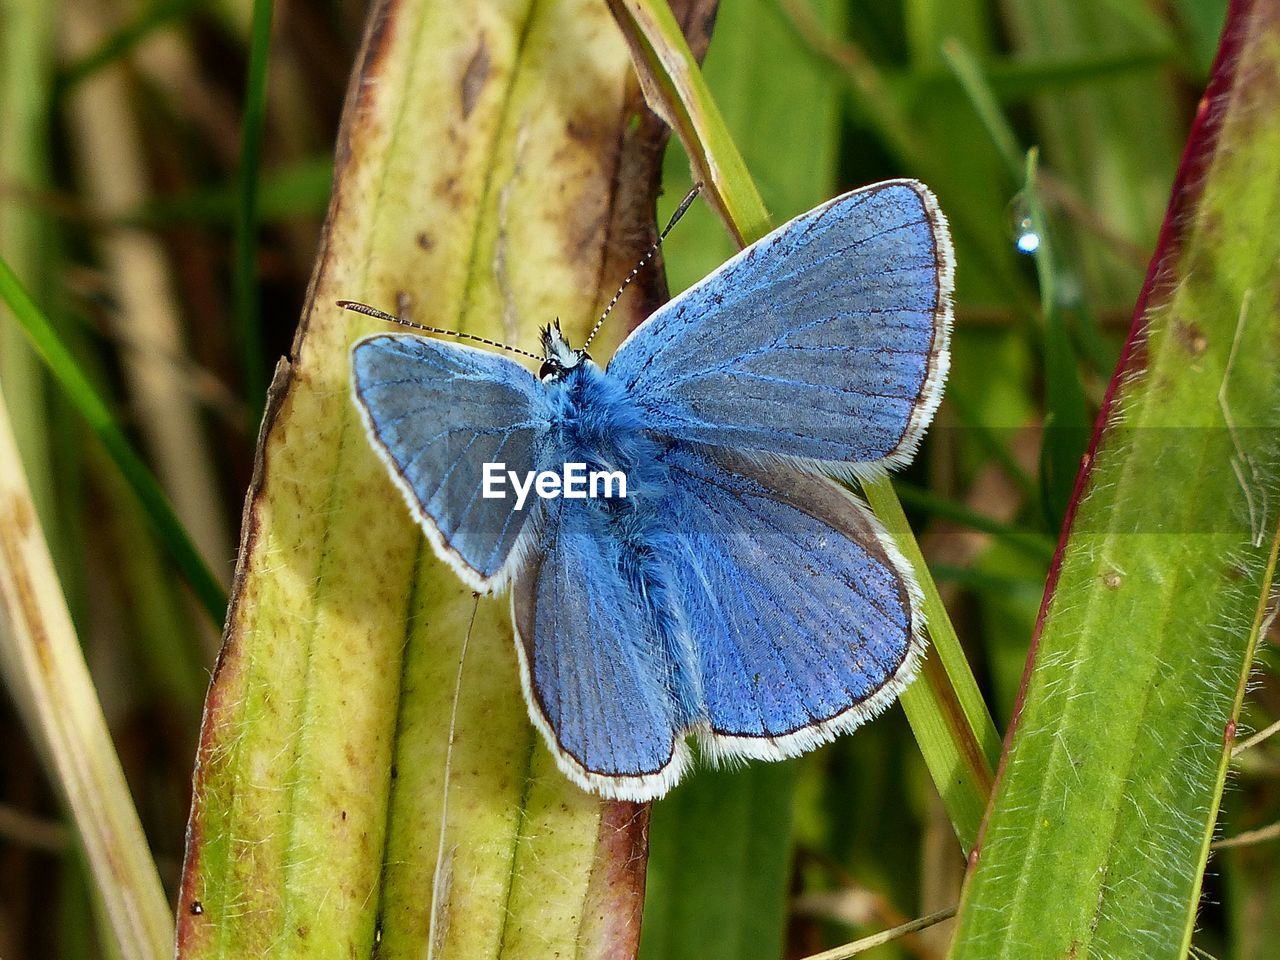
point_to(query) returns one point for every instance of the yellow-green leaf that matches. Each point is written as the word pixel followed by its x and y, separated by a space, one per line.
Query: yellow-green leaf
pixel 489 179
pixel 45 671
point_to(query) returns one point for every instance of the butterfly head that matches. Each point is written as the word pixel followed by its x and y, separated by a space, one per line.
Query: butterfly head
pixel 558 358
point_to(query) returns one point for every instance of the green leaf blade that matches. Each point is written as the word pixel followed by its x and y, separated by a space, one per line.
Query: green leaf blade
pixel 1112 777
pixel 89 403
pixel 959 734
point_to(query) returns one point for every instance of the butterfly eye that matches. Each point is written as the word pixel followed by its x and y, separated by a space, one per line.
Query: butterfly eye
pixel 549 368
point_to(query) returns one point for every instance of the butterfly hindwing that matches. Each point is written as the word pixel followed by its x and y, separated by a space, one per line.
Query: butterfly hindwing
pixel 437 412
pixel 825 341
pixel 593 669
pixel 803 613
pixel 796 619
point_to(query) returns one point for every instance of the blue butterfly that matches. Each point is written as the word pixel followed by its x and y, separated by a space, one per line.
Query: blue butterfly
pixel 735 593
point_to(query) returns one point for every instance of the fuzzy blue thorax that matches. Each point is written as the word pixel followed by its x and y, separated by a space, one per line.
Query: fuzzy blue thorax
pixel 595 422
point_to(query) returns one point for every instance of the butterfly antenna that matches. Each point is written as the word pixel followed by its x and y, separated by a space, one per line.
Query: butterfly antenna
pixel 356 307
pixel 649 255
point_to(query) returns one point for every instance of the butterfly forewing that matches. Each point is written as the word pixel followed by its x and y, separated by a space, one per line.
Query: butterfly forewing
pixel 826 341
pixel 437 412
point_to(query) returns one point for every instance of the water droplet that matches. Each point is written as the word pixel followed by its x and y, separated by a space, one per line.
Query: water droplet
pixel 1021 225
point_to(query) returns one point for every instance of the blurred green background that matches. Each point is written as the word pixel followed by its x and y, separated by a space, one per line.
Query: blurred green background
pixel 174 256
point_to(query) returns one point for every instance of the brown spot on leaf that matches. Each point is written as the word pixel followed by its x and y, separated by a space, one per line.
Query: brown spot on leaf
pixel 424 240
pixel 1192 337
pixel 21 509
pixel 447 190
pixel 473 79
pixel 1112 580
pixel 583 130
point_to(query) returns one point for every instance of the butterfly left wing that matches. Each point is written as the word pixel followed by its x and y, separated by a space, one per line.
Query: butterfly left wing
pixel 825 341
pixel 436 413
pixel 594 671
pixel 804 617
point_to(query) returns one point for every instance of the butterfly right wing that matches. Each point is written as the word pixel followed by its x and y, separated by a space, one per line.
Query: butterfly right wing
pixel 436 413
pixel 825 341
pixel 804 616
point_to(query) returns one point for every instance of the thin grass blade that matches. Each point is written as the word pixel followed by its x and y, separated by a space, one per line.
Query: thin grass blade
pixel 26 51
pixel 676 90
pixel 45 671
pixel 113 48
pixel 1116 143
pixel 1066 411
pixel 80 391
pixel 955 730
